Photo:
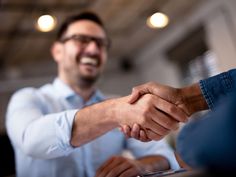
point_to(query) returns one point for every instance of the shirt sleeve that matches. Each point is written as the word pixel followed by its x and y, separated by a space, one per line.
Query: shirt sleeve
pixel 209 141
pixel 140 149
pixel 35 132
pixel 218 86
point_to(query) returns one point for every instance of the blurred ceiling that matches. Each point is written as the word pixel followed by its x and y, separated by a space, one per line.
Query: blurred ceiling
pixel 21 45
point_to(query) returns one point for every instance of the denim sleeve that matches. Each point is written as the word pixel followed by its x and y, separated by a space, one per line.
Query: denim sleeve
pixel 218 86
pixel 209 142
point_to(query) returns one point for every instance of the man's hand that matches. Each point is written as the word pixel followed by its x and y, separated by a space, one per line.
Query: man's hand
pixel 135 132
pixel 170 94
pixel 147 112
pixel 119 166
pixel 188 99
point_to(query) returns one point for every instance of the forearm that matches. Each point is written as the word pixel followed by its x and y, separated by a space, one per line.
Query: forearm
pixel 94 121
pixel 154 163
pixel 192 99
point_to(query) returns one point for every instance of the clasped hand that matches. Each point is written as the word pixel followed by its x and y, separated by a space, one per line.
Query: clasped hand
pixel 170 110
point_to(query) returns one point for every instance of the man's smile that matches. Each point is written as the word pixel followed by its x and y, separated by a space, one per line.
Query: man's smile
pixel 89 61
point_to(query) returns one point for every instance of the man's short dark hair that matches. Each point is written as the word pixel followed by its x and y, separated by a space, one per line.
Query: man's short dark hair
pixel 81 16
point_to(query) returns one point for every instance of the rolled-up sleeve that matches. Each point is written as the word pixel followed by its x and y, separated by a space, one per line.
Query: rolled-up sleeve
pixel 36 133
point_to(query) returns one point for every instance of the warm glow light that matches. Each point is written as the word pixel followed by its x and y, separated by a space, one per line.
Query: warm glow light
pixel 46 23
pixel 158 20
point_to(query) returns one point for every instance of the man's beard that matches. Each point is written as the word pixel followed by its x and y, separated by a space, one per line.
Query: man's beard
pixel 86 82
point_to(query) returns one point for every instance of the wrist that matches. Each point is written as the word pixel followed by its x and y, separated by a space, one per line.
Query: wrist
pixel 110 111
pixel 192 99
pixel 98 120
pixel 116 108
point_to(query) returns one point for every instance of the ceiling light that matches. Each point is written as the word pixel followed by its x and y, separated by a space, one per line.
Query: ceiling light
pixel 46 23
pixel 158 20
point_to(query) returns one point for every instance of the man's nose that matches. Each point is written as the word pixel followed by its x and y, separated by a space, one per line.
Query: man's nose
pixel 92 47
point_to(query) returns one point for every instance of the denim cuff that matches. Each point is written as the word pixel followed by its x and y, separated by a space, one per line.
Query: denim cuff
pixel 217 86
pixel 206 94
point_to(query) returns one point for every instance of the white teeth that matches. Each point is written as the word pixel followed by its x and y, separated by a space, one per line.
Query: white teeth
pixel 90 61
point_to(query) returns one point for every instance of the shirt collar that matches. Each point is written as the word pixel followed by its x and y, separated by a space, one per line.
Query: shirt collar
pixel 66 92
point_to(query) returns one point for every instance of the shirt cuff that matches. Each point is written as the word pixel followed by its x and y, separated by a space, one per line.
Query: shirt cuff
pixel 64 124
pixel 217 86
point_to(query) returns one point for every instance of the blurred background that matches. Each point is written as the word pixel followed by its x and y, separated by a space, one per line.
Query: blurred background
pixel 197 39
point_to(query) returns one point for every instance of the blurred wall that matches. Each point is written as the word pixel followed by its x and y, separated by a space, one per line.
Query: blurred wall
pixel 217 18
pixel 152 63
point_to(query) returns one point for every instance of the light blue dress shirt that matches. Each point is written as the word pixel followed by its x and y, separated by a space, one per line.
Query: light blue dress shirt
pixel 39 124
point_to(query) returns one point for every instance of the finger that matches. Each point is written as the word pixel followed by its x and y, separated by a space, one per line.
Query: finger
pixel 134 96
pixel 104 166
pixel 140 90
pixel 130 173
pixel 110 167
pixel 170 109
pixel 121 129
pixel 154 136
pixel 135 131
pixel 127 131
pixel 118 169
pixel 143 136
pixel 165 120
pixel 158 129
pixel 153 124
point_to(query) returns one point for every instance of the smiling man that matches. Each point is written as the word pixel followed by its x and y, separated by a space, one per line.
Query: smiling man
pixel 57 130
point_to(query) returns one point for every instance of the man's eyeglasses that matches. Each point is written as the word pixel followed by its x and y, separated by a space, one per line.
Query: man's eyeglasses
pixel 85 40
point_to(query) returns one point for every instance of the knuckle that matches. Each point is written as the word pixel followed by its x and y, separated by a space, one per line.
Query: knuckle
pixel 144 122
pixel 169 124
pixel 144 111
pixel 134 89
pixel 148 99
pixel 173 109
pixel 145 115
pixel 163 131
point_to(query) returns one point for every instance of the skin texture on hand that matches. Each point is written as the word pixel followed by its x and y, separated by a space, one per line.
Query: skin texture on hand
pixel 105 116
pixel 119 166
pixel 148 113
pixel 188 99
pixel 124 167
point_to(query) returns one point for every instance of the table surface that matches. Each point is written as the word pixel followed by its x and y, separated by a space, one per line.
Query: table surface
pixel 192 173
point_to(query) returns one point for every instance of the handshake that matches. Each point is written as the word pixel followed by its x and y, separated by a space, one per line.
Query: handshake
pixel 155 110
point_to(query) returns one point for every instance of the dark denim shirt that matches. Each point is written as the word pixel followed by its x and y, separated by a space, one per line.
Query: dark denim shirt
pixel 218 86
pixel 210 141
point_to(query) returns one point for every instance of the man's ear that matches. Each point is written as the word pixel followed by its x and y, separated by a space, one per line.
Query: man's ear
pixel 57 51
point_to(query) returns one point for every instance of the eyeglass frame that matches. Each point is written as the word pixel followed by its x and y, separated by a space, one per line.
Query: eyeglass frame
pixel 100 42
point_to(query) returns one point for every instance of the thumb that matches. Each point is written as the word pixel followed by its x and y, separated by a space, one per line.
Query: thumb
pixel 134 96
